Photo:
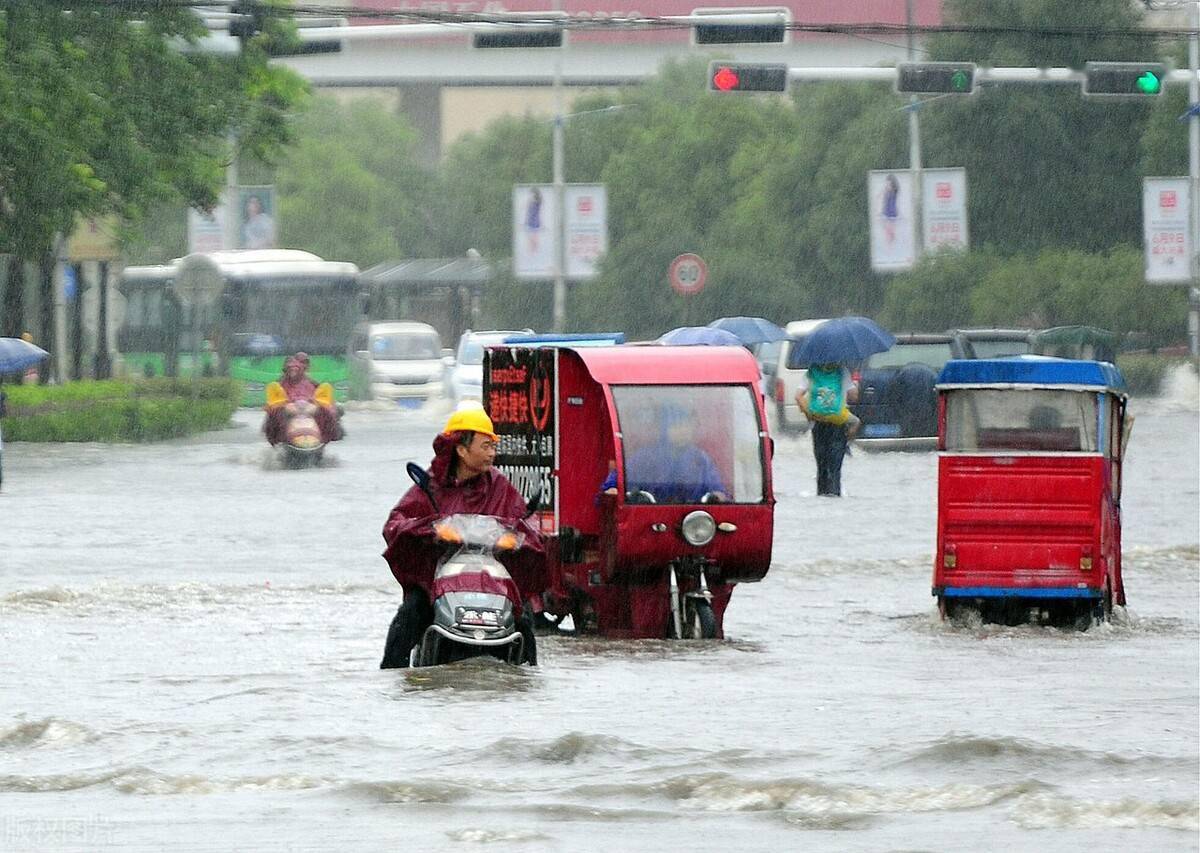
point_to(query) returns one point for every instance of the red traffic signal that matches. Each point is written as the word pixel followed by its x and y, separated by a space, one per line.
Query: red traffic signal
pixel 747 77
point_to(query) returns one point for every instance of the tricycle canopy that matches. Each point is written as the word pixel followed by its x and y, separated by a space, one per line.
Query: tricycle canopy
pixel 1029 404
pixel 1033 370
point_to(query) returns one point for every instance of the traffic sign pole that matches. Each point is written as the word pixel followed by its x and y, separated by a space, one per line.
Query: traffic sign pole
pixel 1194 184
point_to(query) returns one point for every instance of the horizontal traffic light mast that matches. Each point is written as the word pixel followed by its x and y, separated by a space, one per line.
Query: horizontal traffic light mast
pixel 1104 79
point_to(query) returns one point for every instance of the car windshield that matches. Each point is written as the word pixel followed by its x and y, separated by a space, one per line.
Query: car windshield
pixel 999 349
pixel 472 350
pixel 992 419
pixel 405 346
pixel 934 355
pixel 683 442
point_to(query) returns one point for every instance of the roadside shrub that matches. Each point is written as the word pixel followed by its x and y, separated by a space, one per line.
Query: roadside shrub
pixel 1144 372
pixel 111 411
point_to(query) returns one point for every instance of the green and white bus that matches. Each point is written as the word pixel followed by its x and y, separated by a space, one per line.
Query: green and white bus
pixel 273 303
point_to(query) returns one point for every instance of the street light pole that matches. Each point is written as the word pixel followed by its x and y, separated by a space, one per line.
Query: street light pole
pixel 559 321
pixel 914 145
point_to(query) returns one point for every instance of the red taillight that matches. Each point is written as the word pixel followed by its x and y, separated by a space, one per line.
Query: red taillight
pixel 779 391
pixel 856 376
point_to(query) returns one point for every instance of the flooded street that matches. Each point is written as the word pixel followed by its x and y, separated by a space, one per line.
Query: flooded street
pixel 191 643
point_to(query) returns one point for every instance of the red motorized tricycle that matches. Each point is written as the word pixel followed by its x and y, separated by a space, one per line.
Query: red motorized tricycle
pixel 654 465
pixel 1029 489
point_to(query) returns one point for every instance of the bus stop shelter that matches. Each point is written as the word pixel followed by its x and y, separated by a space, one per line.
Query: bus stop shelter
pixel 446 293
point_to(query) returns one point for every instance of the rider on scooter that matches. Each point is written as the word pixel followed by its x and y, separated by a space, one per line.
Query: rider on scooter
pixel 462 480
pixel 299 387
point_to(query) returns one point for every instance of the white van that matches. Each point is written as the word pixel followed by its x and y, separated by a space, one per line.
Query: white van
pixel 396 361
pixel 786 415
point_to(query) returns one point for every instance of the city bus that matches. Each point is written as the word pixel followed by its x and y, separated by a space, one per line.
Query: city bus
pixel 273 303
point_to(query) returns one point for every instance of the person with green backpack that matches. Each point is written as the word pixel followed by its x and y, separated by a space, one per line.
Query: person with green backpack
pixel 823 395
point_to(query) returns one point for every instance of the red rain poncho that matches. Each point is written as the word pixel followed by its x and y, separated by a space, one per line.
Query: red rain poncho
pixel 412 553
pixel 300 388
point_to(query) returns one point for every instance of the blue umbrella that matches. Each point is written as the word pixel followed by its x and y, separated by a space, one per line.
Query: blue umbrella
pixel 16 355
pixel 691 336
pixel 843 340
pixel 750 330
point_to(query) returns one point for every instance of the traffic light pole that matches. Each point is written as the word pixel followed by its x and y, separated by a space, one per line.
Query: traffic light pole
pixel 559 319
pixel 1194 180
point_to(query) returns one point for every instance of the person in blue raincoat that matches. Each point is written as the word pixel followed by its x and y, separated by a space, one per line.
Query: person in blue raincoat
pixel 673 469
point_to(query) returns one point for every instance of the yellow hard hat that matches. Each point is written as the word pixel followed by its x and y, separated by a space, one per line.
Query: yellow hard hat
pixel 475 420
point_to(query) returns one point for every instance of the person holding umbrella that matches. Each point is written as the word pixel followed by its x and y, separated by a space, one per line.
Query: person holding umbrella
pixel 828 387
pixel 16 354
pixel 823 395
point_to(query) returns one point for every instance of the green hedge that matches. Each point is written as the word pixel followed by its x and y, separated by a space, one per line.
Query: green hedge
pixel 145 410
pixel 1144 372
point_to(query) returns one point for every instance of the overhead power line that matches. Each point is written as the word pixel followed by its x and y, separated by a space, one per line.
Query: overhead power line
pixel 649 23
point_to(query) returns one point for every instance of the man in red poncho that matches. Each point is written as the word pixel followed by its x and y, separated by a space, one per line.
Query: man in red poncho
pixel 462 480
pixel 299 387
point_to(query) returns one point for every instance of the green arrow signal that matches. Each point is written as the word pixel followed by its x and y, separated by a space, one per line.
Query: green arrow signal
pixel 959 80
pixel 1149 84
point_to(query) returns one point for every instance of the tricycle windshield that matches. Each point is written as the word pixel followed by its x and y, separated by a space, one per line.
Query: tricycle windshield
pixel 688 443
pixel 981 420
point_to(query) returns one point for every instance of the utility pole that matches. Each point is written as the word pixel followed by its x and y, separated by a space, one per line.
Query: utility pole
pixel 914 144
pixel 559 320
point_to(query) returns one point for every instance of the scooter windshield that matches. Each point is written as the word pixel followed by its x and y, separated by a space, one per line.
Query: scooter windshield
pixel 478 533
pixel 688 443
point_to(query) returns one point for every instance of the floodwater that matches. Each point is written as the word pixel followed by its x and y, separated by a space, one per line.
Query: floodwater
pixel 190 639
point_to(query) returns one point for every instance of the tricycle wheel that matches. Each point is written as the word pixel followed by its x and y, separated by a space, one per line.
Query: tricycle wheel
pixel 701 622
pixel 1083 616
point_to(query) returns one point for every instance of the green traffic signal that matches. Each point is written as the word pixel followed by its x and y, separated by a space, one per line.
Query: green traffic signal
pixel 1124 79
pixel 935 78
pixel 1149 84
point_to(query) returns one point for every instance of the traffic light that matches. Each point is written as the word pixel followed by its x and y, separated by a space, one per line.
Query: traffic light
pixel 747 77
pixel 518 36
pixel 247 18
pixel 739 26
pixel 936 78
pixel 1124 79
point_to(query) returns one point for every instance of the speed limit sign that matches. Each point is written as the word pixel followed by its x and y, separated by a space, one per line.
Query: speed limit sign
pixel 687 274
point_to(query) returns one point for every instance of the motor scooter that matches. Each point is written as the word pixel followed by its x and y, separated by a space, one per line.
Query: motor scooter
pixel 476 603
pixel 303 441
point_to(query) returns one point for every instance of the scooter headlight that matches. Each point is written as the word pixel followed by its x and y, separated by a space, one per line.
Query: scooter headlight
pixel 698 528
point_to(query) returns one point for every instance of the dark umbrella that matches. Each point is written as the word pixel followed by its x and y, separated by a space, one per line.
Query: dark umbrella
pixel 843 340
pixel 690 336
pixel 750 330
pixel 16 355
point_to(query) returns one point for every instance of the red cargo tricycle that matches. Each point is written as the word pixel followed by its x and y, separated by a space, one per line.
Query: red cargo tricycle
pixel 655 469
pixel 1029 489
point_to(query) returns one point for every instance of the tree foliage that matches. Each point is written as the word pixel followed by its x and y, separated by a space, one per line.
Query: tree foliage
pixel 102 111
pixel 352 187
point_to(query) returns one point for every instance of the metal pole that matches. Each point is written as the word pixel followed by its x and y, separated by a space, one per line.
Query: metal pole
pixel 559 320
pixel 232 214
pixel 914 144
pixel 1194 179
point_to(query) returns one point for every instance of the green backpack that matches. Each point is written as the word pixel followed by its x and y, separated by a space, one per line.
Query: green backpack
pixel 826 397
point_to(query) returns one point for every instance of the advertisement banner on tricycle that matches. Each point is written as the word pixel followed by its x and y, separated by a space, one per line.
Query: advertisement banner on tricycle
pixel 520 393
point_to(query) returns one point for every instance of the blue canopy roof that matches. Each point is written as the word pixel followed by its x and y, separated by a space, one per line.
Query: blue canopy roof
pixel 584 339
pixel 1032 370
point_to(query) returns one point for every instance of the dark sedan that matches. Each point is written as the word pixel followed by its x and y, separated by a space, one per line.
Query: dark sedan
pixel 897 402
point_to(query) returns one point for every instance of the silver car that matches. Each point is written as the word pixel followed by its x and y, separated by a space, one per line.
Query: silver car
pixel 465 379
pixel 396 361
